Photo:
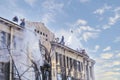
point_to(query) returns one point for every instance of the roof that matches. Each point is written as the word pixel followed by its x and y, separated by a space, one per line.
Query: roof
pixel 72 50
pixel 9 23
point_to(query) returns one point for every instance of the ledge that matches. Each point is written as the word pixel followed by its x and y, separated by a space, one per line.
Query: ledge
pixel 70 49
pixel 10 23
pixel 84 55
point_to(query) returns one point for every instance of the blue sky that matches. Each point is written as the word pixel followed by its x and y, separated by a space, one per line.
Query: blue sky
pixel 95 26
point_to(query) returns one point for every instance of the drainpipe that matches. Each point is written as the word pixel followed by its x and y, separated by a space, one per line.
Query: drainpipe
pixel 11 47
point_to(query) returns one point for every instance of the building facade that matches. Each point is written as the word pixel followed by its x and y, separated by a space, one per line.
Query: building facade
pixel 69 64
pixel 8 32
pixel 45 35
pixel 66 63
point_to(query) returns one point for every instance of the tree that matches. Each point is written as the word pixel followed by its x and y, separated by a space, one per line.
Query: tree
pixel 46 68
pixel 7 66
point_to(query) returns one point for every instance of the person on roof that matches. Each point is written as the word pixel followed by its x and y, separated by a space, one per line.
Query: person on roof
pixel 15 19
pixel 22 24
pixel 62 40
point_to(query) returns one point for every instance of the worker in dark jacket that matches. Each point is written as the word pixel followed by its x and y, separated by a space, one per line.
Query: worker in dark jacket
pixel 62 40
pixel 22 24
pixel 15 19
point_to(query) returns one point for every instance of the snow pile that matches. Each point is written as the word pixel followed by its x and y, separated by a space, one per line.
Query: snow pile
pixel 27 50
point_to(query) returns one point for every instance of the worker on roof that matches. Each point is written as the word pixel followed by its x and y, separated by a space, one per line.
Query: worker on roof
pixel 15 19
pixel 62 40
pixel 22 24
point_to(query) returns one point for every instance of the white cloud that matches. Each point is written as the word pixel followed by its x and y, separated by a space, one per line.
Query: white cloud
pixel 51 5
pixel 100 11
pixel 114 19
pixel 84 1
pixel 107 69
pixel 48 17
pixel 88 35
pixel 88 28
pixel 106 26
pixel 107 48
pixel 116 69
pixel 30 2
pixel 107 62
pixel 111 73
pixel 12 8
pixel 111 64
pixel 84 31
pixel 79 31
pixel 115 63
pixel 80 22
pixel 106 55
pixel 52 9
pixel 97 47
pixel 117 9
pixel 118 55
pixel 106 77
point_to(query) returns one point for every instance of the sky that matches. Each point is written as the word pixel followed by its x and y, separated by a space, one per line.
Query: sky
pixel 92 25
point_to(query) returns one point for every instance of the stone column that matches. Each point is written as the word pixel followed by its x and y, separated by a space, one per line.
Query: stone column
pixel 93 75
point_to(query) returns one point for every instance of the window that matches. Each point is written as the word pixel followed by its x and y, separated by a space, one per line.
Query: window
pixel 14 42
pixel 1 67
pixel 46 35
pixel 41 33
pixel 64 62
pixel 67 62
pixel 35 30
pixel 2 39
pixel 18 44
pixel 78 64
pixel 75 64
pixel 87 73
pixel 71 63
pixel 56 57
pixel 81 66
pixel 46 39
pixel 60 59
pixel 8 39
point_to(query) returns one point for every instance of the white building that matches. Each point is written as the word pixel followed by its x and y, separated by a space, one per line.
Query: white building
pixel 25 47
